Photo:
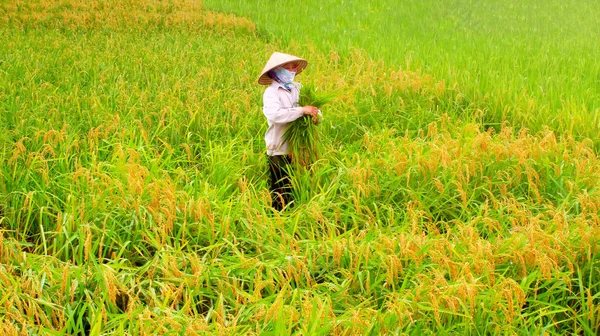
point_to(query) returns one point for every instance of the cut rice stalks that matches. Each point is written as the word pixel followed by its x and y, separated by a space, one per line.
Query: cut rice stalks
pixel 302 134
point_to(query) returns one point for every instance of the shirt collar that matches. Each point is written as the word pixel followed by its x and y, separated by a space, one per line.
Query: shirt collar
pixel 279 85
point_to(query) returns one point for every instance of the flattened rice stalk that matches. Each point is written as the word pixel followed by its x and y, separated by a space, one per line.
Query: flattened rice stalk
pixel 302 134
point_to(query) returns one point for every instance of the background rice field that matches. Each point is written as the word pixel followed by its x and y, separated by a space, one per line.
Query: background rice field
pixel 455 197
pixel 532 62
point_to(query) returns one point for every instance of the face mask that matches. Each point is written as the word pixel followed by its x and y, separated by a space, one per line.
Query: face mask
pixel 290 75
pixel 284 76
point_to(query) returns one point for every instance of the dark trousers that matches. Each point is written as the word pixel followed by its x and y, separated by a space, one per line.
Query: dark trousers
pixel 279 179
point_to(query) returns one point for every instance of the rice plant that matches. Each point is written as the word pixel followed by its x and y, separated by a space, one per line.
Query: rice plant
pixel 302 135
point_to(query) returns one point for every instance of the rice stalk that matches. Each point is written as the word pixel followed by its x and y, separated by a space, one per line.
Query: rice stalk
pixel 302 135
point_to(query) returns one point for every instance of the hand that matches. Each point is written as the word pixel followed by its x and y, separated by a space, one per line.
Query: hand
pixel 310 110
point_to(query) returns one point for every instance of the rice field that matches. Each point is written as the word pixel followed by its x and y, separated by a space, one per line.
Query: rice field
pixel 133 184
pixel 532 62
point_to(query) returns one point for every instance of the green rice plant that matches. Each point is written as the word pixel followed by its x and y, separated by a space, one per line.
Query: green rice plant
pixel 302 134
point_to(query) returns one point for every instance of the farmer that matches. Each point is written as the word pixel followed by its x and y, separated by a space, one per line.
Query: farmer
pixel 280 106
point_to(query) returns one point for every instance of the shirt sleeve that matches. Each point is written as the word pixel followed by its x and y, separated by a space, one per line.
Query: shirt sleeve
pixel 277 114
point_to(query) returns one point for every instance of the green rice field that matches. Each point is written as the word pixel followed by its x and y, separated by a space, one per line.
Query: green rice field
pixel 531 62
pixel 457 190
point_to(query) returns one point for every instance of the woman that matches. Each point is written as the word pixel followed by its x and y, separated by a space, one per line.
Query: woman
pixel 280 106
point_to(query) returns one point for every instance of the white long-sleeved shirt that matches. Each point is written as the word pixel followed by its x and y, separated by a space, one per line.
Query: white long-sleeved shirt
pixel 280 106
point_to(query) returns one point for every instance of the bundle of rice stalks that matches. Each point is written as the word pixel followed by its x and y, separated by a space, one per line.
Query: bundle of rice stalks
pixel 302 134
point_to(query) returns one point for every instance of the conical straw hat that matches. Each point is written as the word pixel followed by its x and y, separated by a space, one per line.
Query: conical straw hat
pixel 279 59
